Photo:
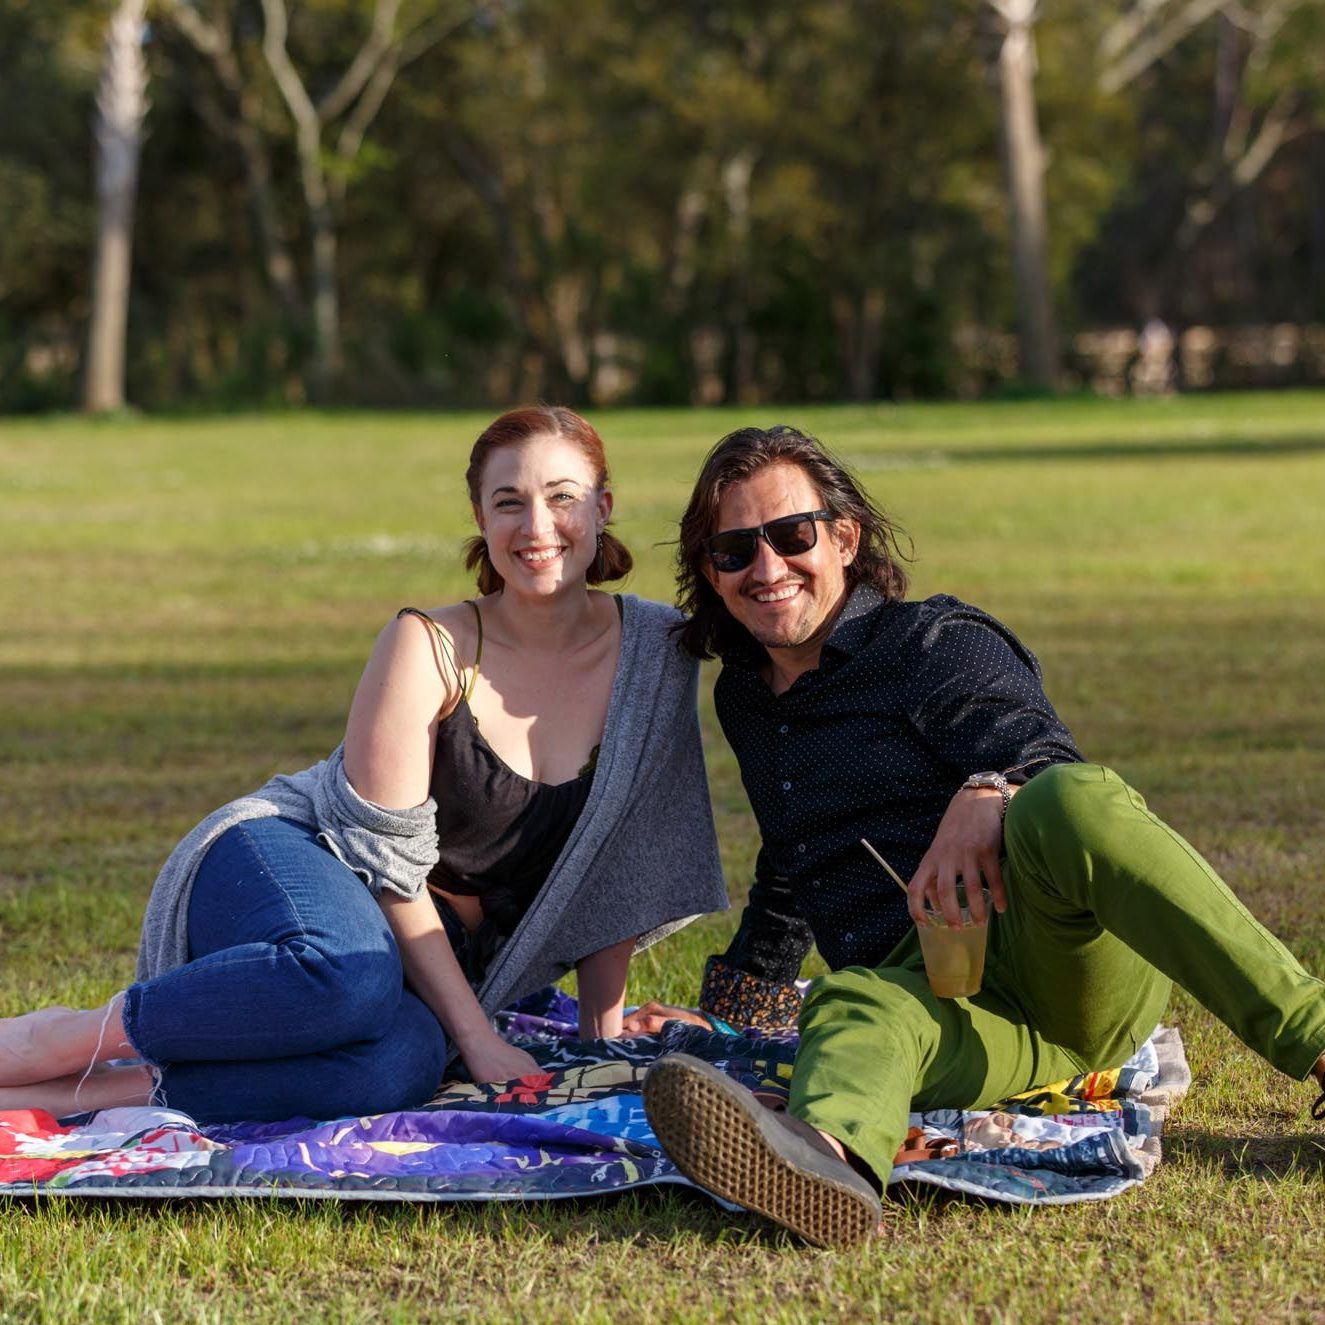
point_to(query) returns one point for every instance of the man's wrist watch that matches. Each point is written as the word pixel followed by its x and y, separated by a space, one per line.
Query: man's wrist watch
pixel 994 781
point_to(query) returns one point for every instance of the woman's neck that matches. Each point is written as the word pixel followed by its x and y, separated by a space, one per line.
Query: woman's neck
pixel 559 624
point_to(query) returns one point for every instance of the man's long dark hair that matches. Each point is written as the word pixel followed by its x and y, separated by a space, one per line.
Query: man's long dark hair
pixel 711 629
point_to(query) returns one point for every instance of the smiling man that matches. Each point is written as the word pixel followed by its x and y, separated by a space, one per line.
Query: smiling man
pixel 923 728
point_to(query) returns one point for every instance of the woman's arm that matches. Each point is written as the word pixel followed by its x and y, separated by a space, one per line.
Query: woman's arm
pixel 601 977
pixel 434 974
pixel 409 680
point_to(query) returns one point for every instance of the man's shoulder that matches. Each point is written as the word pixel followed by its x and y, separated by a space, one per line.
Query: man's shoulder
pixel 944 609
pixel 898 620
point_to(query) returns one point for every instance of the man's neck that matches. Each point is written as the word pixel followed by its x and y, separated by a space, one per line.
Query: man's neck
pixel 785 666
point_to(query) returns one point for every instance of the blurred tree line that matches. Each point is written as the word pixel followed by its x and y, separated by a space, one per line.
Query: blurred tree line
pixel 477 201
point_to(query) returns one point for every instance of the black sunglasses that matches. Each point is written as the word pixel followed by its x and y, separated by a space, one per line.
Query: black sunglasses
pixel 788 536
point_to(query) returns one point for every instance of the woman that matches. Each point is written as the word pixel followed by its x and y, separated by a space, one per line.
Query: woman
pixel 521 789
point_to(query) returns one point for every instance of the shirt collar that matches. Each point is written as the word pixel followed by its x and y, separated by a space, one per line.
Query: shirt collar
pixel 853 627
pixel 851 632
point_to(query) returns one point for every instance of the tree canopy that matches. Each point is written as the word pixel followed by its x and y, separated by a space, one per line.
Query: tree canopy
pixel 475 201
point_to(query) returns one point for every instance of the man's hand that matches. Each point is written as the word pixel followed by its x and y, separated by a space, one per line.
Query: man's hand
pixel 966 846
pixel 652 1017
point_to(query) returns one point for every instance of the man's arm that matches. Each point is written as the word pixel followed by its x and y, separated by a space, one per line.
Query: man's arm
pixel 753 982
pixel 976 697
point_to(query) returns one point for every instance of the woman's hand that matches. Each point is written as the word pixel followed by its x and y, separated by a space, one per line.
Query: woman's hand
pixel 652 1017
pixel 966 846
pixel 492 1059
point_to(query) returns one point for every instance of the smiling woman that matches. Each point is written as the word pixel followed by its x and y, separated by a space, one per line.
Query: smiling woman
pixel 561 431
pixel 504 759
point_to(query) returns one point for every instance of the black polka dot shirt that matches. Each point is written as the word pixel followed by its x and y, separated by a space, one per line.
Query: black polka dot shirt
pixel 908 700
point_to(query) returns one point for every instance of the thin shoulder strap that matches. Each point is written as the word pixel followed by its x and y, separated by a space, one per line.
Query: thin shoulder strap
pixel 478 651
pixel 447 650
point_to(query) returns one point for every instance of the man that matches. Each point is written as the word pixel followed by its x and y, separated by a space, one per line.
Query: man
pixel 923 728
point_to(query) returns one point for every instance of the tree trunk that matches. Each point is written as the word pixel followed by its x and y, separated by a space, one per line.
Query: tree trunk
pixel 121 107
pixel 1024 161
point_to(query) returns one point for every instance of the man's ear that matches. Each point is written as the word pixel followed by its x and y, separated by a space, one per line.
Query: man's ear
pixel 709 572
pixel 846 534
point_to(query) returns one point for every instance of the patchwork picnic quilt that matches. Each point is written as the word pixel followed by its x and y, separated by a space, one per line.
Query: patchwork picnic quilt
pixel 578 1129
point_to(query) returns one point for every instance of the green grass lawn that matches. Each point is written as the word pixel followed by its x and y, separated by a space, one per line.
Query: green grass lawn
pixel 184 609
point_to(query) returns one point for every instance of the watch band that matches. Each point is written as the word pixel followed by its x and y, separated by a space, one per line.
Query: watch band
pixel 992 781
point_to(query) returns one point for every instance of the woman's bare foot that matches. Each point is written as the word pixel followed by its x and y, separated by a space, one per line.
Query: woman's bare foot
pixel 54 1042
pixel 102 1088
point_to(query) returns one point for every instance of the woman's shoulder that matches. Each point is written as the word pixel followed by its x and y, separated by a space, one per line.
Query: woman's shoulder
pixel 649 613
pixel 455 625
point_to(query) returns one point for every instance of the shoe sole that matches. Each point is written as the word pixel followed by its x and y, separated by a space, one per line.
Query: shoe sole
pixel 718 1135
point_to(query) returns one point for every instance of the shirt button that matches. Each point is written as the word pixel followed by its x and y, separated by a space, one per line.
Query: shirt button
pixel 848 936
pixel 784 729
pixel 786 786
pixel 800 846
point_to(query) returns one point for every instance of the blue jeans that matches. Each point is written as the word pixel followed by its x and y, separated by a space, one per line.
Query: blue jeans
pixel 293 1001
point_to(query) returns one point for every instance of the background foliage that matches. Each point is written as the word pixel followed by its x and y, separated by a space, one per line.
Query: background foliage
pixel 595 200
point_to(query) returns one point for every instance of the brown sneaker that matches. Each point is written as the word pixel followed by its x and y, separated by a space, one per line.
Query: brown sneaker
pixel 726 1142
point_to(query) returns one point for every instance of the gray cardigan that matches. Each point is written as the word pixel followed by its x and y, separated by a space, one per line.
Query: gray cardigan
pixel 641 860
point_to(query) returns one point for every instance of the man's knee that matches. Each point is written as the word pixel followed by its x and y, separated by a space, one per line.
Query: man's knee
pixel 1068 800
pixel 888 998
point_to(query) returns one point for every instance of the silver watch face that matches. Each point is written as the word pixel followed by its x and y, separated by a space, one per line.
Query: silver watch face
pixel 995 780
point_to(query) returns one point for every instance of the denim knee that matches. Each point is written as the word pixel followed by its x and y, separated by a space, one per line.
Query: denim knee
pixel 356 990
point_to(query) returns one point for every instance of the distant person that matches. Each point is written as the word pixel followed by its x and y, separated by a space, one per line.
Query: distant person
pixel 918 726
pixel 1152 373
pixel 521 790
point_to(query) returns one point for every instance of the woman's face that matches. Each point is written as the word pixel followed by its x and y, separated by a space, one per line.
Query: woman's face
pixel 541 512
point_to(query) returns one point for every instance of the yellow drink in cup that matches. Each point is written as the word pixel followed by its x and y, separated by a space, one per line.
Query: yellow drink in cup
pixel 954 957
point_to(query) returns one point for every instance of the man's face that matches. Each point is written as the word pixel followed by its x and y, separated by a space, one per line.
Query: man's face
pixel 784 602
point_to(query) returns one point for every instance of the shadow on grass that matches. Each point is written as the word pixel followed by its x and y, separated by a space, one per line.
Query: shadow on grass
pixel 1202 449
pixel 1300 1154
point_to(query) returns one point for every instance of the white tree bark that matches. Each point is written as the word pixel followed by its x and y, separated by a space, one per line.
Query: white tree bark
pixel 121 109
pixel 1024 162
pixel 1152 28
pixel 357 96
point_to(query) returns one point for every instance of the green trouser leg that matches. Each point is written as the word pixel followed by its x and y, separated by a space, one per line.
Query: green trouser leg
pixel 1106 906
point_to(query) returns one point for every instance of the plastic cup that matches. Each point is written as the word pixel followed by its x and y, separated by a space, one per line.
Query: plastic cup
pixel 954 956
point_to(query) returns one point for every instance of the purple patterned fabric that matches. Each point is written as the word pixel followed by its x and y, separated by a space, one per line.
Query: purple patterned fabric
pixel 575 1129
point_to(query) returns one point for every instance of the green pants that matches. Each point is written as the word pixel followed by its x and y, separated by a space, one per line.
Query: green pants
pixel 1106 906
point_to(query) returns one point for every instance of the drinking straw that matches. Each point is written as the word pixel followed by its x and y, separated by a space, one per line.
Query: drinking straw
pixel 892 873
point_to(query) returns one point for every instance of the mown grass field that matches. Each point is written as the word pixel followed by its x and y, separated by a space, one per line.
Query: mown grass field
pixel 184 608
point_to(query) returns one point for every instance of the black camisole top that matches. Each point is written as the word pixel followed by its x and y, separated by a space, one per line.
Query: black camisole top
pixel 499 834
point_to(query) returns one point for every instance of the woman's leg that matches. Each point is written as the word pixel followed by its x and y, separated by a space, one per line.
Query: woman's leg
pixel 400 1069
pixel 294 981
pixel 288 955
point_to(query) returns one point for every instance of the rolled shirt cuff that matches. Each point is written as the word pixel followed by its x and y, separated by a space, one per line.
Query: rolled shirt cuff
pixel 742 999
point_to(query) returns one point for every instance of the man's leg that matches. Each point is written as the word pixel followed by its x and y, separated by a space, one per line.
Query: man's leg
pixel 1106 905
pixel 877 1044
pixel 1103 894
